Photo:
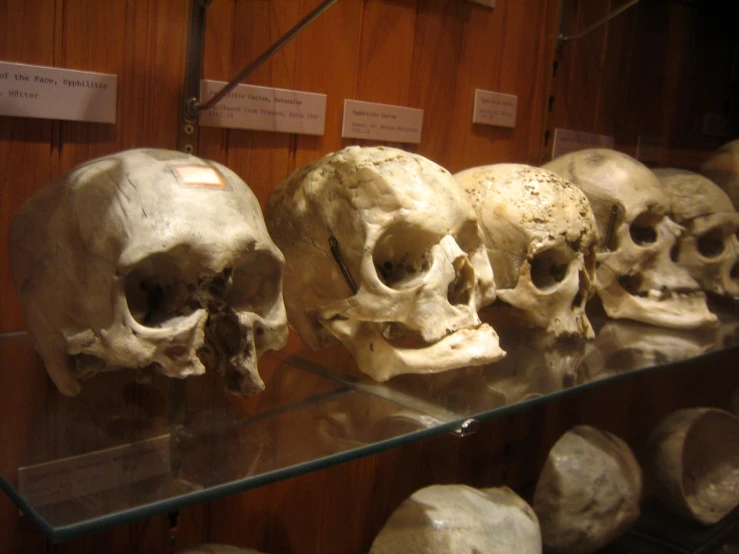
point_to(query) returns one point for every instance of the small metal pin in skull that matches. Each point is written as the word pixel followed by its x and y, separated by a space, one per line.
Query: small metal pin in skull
pixel 153 260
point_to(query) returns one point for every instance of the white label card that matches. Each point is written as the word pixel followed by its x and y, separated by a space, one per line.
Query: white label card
pixel 566 141
pixel 384 122
pixel 264 109
pixel 79 476
pixel 495 108
pixel 53 93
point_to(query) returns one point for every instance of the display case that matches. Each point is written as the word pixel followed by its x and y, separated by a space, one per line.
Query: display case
pixel 319 460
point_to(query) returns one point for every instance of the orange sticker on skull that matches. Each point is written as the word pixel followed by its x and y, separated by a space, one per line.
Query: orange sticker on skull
pixel 198 175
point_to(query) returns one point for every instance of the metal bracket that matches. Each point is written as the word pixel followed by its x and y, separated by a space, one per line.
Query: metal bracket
pixel 191 106
pixel 562 38
pixel 187 136
pixel 194 106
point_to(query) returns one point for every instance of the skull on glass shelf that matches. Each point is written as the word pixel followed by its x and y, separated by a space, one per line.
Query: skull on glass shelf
pixel 709 249
pixel 149 259
pixel 636 278
pixel 383 251
pixel 722 167
pixel 456 518
pixel 540 235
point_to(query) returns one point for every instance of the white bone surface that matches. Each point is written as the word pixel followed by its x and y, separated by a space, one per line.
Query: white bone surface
pixel 411 242
pixel 635 279
pixel 456 518
pixel 694 462
pixel 126 263
pixel 709 248
pixel 722 167
pixel 540 235
pixel 588 492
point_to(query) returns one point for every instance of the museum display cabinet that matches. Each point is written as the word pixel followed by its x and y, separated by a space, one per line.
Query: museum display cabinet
pixel 319 460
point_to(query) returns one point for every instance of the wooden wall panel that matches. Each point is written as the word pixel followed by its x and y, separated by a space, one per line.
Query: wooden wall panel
pixel 436 51
pixel 24 144
pixel 654 70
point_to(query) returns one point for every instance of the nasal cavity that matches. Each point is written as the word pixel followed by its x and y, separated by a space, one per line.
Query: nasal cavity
pixel 461 288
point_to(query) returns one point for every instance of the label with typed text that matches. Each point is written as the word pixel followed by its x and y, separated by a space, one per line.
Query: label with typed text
pixel 53 93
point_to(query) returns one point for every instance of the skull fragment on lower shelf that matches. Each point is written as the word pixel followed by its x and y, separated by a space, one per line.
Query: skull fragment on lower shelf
pixel 384 253
pixel 153 260
pixel 588 492
pixel 456 518
pixel 540 236
pixel 635 277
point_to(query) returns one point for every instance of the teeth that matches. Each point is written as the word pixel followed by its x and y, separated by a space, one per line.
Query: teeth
pixel 654 294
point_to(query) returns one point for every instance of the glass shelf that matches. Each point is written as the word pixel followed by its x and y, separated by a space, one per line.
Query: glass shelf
pixel 123 451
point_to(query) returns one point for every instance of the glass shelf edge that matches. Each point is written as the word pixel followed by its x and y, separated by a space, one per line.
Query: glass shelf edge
pixel 96 525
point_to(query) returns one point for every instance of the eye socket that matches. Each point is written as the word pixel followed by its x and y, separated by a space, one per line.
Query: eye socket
pixel 256 283
pixel 403 255
pixel 159 292
pixel 549 268
pixel 711 244
pixel 643 229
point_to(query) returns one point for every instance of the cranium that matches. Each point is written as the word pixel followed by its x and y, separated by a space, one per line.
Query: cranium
pixel 636 278
pixel 148 259
pixel 693 459
pixel 588 492
pixel 408 238
pixel 456 518
pixel 722 167
pixel 540 235
pixel 709 249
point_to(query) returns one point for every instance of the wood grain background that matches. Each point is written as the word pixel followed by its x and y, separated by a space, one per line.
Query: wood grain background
pixel 655 70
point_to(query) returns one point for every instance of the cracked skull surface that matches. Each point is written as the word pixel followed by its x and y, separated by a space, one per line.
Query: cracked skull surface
pixel 406 270
pixel 709 248
pixel 540 236
pixel 153 260
pixel 635 277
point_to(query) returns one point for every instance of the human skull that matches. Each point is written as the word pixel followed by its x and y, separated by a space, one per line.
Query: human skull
pixel 588 492
pixel 456 518
pixel 693 457
pixel 722 167
pixel 540 236
pixel 709 249
pixel 149 259
pixel 408 236
pixel 635 276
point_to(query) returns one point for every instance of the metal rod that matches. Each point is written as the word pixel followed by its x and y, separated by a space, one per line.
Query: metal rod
pixel 611 226
pixel 563 38
pixel 198 107
pixel 334 244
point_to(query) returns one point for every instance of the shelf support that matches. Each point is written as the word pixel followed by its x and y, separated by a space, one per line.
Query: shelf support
pixel 562 38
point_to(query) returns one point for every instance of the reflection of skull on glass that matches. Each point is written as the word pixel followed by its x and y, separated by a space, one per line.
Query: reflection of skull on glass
pixel 540 235
pixel 709 249
pixel 408 237
pixel 636 278
pixel 153 260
